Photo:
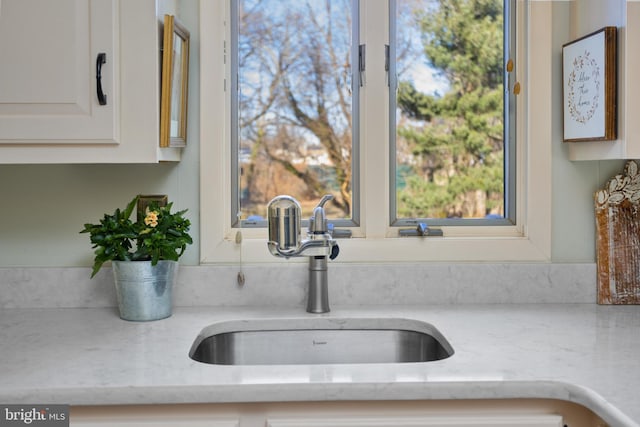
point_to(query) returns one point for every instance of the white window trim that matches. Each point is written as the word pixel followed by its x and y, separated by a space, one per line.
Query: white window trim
pixel 528 240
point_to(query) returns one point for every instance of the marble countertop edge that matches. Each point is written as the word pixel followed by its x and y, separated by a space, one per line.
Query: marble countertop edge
pixel 324 392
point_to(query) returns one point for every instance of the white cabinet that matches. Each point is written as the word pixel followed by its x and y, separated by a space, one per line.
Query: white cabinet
pixel 149 422
pixel 186 420
pixel 460 413
pixel 155 416
pixel 50 80
pixel 426 421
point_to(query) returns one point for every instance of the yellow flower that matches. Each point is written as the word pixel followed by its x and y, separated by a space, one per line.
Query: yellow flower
pixel 151 219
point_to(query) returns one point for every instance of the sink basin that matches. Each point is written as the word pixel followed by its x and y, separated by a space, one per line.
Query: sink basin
pixel 319 341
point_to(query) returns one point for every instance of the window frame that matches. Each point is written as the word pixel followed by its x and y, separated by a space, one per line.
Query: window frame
pixel 374 240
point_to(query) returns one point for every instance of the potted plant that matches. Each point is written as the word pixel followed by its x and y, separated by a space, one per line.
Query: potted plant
pixel 144 256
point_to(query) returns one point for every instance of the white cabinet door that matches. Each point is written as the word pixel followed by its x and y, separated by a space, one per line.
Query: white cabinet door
pixel 153 416
pixel 48 71
pixel 150 422
pixel 426 421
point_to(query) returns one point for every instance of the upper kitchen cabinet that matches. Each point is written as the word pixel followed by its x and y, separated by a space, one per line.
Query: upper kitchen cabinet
pixel 587 17
pixel 79 82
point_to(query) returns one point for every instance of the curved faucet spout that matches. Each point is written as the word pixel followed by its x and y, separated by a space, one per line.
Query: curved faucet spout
pixel 318 220
pixel 324 200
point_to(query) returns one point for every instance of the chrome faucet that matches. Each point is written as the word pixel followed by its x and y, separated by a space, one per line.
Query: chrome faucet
pixel 285 241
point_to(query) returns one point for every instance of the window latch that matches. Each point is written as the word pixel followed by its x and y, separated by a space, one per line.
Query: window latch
pixel 421 230
pixel 362 50
pixel 387 65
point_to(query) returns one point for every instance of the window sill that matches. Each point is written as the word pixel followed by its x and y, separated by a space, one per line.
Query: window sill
pixel 398 249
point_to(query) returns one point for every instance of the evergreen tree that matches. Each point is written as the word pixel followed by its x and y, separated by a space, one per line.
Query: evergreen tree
pixel 458 141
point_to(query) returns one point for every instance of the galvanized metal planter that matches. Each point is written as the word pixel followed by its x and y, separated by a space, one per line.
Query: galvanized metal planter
pixel 144 291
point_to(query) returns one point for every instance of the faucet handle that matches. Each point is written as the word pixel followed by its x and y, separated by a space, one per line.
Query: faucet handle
pixel 335 250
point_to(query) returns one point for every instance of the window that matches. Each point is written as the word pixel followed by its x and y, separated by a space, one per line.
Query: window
pixel 294 106
pixel 296 72
pixel 525 236
pixel 450 117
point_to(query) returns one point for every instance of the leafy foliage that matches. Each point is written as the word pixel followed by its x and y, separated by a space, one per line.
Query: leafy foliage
pixel 161 235
pixel 167 238
pixel 457 139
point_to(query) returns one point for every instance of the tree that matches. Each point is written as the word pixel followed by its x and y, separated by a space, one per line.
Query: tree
pixel 295 100
pixel 456 139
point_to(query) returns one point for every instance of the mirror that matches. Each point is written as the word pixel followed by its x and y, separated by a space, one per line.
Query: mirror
pixel 175 77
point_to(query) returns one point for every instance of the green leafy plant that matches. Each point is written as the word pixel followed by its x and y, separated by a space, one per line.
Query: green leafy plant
pixel 160 235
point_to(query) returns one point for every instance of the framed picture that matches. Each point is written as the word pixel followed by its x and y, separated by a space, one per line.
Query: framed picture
pixel 145 200
pixel 175 78
pixel 589 87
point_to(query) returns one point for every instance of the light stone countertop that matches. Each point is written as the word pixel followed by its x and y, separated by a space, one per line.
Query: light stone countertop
pixel 583 353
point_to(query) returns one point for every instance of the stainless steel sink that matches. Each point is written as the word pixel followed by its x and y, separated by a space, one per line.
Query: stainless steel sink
pixel 319 341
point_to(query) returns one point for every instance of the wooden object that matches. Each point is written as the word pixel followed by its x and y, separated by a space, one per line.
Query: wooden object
pixel 175 84
pixel 617 210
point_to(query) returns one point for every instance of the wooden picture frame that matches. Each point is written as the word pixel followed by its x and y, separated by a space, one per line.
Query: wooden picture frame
pixel 589 86
pixel 145 200
pixel 175 84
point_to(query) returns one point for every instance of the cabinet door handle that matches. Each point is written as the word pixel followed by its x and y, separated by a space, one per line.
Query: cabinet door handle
pixel 102 59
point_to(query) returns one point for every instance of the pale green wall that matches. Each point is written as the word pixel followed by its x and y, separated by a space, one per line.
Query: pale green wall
pixel 45 206
pixel 42 207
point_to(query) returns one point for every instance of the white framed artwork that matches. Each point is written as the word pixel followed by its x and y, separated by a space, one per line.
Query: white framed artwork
pixel 589 87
